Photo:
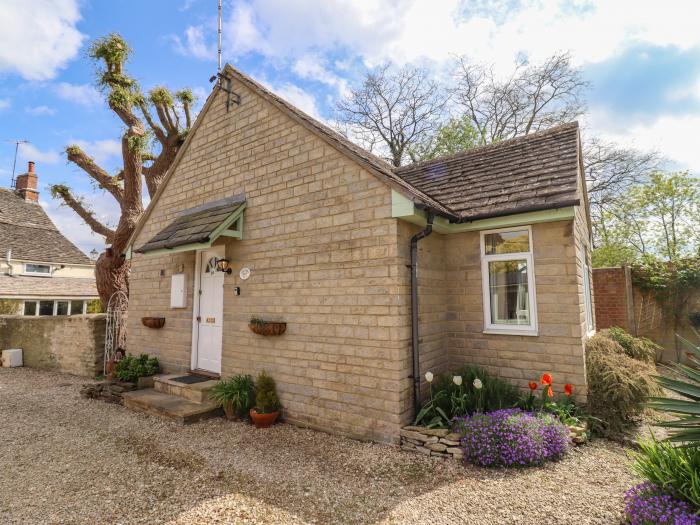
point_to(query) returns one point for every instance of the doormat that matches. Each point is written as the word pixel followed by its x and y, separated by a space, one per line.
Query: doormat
pixel 190 380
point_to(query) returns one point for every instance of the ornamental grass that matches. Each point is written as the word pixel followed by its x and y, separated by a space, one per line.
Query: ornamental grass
pixel 512 437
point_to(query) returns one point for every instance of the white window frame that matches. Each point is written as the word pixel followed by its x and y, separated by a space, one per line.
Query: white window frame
pixel 55 307
pixel 508 329
pixel 587 291
pixel 40 274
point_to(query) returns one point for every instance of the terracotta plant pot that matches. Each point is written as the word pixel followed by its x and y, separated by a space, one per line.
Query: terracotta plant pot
pixel 268 328
pixel 263 420
pixel 153 322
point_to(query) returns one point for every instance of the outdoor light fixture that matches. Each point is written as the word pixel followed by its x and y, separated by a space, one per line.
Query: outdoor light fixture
pixel 223 266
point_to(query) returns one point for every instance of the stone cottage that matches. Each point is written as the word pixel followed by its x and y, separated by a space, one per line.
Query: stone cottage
pixel 492 243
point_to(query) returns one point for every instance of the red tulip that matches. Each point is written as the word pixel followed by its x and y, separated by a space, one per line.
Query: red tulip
pixel 550 393
pixel 546 379
pixel 532 385
pixel 568 389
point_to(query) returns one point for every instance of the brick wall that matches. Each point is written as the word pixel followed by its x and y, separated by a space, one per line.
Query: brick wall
pixel 72 344
pixel 612 298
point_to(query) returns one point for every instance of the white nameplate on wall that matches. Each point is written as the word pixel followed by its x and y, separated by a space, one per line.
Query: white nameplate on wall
pixel 178 297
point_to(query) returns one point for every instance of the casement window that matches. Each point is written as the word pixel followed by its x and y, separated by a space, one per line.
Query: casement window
pixel 50 307
pixel 508 281
pixel 587 296
pixel 37 269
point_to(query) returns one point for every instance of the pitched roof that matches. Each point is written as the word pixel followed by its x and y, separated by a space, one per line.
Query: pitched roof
pixel 534 172
pixel 194 225
pixel 29 233
pixel 26 286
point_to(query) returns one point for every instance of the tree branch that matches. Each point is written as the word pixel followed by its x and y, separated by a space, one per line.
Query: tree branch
pixel 77 205
pixel 88 165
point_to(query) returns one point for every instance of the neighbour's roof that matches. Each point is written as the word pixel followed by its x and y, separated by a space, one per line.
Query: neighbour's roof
pixel 27 286
pixel 194 225
pixel 534 172
pixel 26 229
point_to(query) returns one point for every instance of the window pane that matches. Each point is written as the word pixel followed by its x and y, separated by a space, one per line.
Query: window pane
pixel 37 268
pixel 45 307
pixel 62 308
pixel 508 288
pixel 76 308
pixel 30 308
pixel 507 242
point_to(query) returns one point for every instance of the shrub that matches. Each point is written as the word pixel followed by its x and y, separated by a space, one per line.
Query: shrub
pixel 618 385
pixel 647 503
pixel 130 367
pixel 266 400
pixel 239 390
pixel 511 437
pixel 668 466
pixel 639 348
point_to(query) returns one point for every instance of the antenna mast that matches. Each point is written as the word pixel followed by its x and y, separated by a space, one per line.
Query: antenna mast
pixel 219 49
pixel 14 162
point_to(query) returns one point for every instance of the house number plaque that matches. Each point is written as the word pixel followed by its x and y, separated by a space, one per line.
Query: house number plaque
pixel 211 319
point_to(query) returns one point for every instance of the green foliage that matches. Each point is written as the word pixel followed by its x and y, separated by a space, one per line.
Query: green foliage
pixel 94 306
pixel 239 390
pixel 457 134
pixel 666 465
pixel 687 427
pixel 161 96
pixel 121 98
pixel 671 283
pixel 185 96
pixel 130 368
pixel 9 307
pixel 612 255
pixel 639 348
pixel 111 48
pixel 139 143
pixel 618 385
pixel 266 400
pixel 449 399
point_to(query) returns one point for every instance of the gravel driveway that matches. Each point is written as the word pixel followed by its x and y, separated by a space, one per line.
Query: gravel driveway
pixel 68 460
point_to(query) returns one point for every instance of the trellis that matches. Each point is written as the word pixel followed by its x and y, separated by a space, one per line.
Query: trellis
pixel 115 335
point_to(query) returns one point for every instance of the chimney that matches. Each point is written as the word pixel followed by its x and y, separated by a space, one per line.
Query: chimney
pixel 25 186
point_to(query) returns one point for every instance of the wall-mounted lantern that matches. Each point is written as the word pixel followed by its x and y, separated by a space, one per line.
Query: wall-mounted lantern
pixel 222 265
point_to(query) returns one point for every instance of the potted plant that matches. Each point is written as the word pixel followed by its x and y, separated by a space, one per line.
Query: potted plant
pixel 267 404
pixel 262 327
pixel 235 395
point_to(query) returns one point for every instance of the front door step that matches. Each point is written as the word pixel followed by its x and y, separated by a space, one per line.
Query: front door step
pixel 196 392
pixel 151 401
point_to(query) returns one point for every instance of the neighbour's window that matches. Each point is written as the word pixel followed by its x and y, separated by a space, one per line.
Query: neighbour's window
pixel 41 269
pixel 61 307
pixel 76 307
pixel 508 281
pixel 30 308
pixel 45 307
pixel 587 298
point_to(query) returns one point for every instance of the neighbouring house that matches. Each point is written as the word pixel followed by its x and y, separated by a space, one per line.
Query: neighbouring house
pixel 319 234
pixel 41 272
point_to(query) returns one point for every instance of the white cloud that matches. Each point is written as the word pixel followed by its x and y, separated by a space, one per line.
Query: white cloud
pixel 194 44
pixel 312 67
pixel 29 151
pixel 83 94
pixel 303 100
pixel 38 38
pixel 4 103
pixel 100 150
pixel 39 111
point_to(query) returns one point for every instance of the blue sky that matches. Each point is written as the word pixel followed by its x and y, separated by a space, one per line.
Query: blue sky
pixel 643 59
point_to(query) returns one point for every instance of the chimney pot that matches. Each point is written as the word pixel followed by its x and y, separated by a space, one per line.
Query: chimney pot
pixel 25 185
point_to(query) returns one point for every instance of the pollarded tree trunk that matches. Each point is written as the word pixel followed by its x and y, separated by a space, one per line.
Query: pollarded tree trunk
pixel 140 163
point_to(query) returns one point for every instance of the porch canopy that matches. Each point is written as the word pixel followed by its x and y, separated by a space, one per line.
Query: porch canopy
pixel 198 228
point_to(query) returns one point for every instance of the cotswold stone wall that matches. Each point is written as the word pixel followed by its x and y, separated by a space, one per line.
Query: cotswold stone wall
pixel 72 344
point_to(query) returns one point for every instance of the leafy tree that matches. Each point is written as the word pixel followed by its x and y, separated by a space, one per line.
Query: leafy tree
pixel 392 111
pixel 148 149
pixel 457 134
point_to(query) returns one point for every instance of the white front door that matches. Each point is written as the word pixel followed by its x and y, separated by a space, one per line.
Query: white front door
pixel 208 316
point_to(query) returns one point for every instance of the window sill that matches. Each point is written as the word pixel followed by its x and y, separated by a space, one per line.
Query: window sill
pixel 505 331
pixel 31 274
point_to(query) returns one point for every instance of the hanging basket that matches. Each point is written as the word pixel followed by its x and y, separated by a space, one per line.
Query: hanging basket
pixel 153 322
pixel 267 327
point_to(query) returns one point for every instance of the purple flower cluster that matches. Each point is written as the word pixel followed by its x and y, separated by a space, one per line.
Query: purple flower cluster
pixel 647 503
pixel 512 437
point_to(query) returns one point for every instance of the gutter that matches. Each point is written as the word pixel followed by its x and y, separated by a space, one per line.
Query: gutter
pixel 414 310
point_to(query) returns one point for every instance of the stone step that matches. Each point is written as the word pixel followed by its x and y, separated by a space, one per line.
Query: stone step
pixel 196 392
pixel 182 410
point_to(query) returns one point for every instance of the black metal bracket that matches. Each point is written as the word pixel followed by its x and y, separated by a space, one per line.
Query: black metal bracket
pixel 226 84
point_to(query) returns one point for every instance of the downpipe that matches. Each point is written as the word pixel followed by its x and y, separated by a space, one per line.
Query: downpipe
pixel 414 309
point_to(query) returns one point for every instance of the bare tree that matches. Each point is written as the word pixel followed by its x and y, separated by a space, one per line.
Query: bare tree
pixel 530 99
pixel 392 110
pixel 148 149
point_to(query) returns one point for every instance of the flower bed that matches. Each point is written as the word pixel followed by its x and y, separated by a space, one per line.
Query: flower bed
pixel 647 503
pixel 511 437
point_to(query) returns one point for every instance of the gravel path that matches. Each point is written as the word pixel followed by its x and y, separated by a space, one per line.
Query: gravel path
pixel 68 460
